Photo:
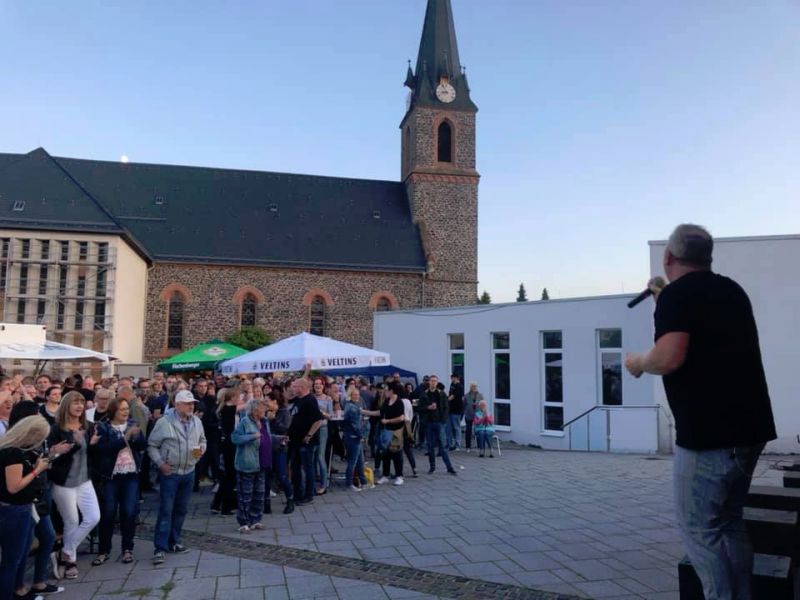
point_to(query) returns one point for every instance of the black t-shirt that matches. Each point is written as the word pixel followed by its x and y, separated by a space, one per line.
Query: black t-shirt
pixel 15 456
pixel 457 403
pixel 392 412
pixel 43 411
pixel 304 414
pixel 719 395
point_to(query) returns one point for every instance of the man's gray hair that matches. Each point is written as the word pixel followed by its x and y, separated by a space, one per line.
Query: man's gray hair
pixel 103 393
pixel 691 244
pixel 251 406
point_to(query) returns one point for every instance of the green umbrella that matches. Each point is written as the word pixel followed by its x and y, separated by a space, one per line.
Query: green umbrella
pixel 201 358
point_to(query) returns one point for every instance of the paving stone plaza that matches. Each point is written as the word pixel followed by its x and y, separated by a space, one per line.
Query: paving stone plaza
pixel 529 524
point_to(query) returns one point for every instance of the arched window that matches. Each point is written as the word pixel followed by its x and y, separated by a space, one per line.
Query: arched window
pixel 249 310
pixel 317 313
pixel 445 141
pixel 175 322
pixel 383 304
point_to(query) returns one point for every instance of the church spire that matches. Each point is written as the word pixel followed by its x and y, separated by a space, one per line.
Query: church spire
pixel 438 60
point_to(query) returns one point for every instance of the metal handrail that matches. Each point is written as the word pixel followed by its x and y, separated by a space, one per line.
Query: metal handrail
pixel 608 409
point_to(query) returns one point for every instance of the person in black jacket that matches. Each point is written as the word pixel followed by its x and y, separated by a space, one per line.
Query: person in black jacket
pixel 207 405
pixel 433 404
pixel 116 459
pixel 225 500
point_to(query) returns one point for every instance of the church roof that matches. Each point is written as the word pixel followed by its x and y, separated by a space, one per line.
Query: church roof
pixel 437 58
pixel 216 216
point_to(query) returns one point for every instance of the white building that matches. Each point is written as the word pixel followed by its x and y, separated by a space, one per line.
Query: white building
pixel 552 370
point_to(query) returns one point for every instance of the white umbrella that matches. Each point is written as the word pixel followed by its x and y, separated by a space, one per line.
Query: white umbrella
pixel 294 353
pixel 48 351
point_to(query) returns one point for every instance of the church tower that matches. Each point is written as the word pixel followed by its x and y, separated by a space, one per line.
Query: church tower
pixel 438 162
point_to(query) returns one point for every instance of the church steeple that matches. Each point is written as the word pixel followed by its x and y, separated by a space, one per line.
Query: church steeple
pixel 438 63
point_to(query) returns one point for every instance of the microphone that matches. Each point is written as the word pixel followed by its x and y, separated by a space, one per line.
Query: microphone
pixel 657 282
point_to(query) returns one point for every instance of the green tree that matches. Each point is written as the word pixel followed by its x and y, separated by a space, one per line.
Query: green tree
pixel 521 295
pixel 545 295
pixel 485 298
pixel 249 337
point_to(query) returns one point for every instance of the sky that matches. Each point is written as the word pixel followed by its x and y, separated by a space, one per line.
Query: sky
pixel 602 123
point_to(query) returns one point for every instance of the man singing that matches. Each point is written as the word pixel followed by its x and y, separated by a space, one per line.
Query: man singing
pixel 706 349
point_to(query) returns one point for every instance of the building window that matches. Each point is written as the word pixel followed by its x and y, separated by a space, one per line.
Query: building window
pixel 553 380
pixel 4 244
pixel 62 281
pixel 41 307
pixel 175 322
pixel 81 285
pixel 383 305
pixel 501 361
pixel 445 142
pixel 100 280
pixel 23 279
pixel 100 315
pixel 60 315
pixel 609 355
pixel 317 311
pixel 102 252
pixel 79 308
pixel 83 250
pixel 64 250
pixel 21 311
pixel 457 354
pixel 44 249
pixel 249 310
pixel 42 280
pixel 26 248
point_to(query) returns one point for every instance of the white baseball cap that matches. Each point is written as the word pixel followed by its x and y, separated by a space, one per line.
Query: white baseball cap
pixel 184 397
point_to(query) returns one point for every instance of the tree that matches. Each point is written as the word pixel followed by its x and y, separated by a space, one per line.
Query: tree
pixel 545 295
pixel 249 337
pixel 521 295
pixel 485 298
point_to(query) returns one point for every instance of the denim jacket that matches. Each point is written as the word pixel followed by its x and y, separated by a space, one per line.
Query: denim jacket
pixel 247 439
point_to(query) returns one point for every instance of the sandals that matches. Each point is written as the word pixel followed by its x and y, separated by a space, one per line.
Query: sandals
pixel 101 558
pixel 127 557
pixel 71 570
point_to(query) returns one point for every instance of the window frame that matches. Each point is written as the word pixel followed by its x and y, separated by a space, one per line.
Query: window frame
pixel 176 299
pixel 495 401
pixel 599 352
pixel 452 352
pixel 318 304
pixel 544 352
pixel 249 306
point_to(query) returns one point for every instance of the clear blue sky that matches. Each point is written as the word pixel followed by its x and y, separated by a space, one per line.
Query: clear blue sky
pixel 602 123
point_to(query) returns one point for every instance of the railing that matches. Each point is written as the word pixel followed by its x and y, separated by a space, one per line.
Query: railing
pixel 632 428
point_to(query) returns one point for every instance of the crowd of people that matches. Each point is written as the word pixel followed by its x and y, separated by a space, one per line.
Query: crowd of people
pixel 76 456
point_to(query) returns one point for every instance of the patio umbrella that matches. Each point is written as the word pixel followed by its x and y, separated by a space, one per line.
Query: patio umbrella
pixel 293 353
pixel 201 358
pixel 47 351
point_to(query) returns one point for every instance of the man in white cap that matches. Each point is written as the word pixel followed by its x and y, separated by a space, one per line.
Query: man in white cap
pixel 175 445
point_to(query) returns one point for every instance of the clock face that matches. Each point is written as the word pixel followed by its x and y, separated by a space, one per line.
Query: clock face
pixel 445 93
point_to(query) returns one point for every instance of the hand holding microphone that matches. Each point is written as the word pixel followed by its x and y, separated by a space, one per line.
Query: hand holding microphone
pixel 654 287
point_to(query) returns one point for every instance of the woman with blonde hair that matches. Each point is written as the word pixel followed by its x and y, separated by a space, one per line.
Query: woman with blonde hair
pixel 72 489
pixel 21 484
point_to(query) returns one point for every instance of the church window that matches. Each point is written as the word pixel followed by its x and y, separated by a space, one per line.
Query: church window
pixel 317 313
pixel 445 142
pixel 249 310
pixel 383 304
pixel 175 322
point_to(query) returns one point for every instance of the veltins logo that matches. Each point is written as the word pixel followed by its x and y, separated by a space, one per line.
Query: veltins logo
pixel 215 351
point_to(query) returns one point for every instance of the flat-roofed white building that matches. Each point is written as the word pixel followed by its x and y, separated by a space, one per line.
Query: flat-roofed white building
pixel 553 371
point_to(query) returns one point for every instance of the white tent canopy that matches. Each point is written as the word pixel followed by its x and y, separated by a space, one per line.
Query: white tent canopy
pixel 293 353
pixel 28 342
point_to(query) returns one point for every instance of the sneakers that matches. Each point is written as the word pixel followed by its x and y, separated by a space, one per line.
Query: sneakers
pixel 451 472
pixel 179 549
pixel 398 481
pixel 158 558
pixel 382 480
pixel 354 488
pixel 414 473
pixel 49 588
pixel 370 486
pixel 272 494
pixel 257 526
pixel 431 470
pixel 244 529
pixel 303 501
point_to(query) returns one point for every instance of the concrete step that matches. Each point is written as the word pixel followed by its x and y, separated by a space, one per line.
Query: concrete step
pixel 773 579
pixel 791 479
pixel 774 497
pixel 773 531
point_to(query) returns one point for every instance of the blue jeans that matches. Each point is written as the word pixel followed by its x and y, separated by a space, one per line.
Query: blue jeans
pixel 454 431
pixel 355 460
pixel 710 490
pixel 174 504
pixel 279 460
pixel 434 436
pixel 122 491
pixel 303 471
pixel 484 440
pixel 250 493
pixel 46 535
pixel 320 457
pixel 16 523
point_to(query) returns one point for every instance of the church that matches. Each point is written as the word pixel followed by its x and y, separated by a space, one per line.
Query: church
pixel 144 261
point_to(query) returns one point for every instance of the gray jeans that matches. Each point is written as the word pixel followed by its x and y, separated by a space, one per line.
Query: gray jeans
pixel 710 490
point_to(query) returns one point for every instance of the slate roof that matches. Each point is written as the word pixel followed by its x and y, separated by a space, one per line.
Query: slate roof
pixel 217 216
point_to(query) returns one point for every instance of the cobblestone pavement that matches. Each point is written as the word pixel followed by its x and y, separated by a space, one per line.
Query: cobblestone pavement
pixel 537 524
